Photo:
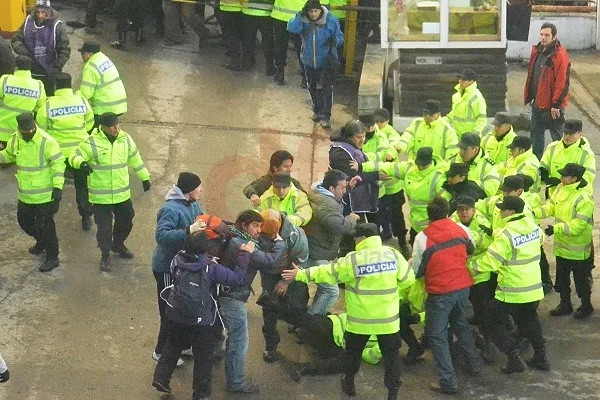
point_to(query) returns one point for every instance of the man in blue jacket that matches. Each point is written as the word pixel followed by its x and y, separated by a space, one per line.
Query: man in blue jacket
pixel 321 36
pixel 174 222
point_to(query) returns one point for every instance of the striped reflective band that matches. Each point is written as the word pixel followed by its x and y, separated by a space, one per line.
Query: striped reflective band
pixel 108 191
pixel 470 117
pixel 36 191
pixel 108 167
pixel 110 103
pixel 141 167
pixel 583 249
pixel 520 289
pixel 371 292
pixel 373 321
pixel 285 10
pixel 583 218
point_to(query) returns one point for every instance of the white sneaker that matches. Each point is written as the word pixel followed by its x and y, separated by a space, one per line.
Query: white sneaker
pixel 156 357
pixel 187 352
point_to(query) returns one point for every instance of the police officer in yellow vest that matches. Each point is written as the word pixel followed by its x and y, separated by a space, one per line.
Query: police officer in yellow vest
pixel 105 157
pixel 101 84
pixel 232 26
pixel 283 12
pixel 257 18
pixel 40 177
pixel 495 144
pixel 469 109
pixel 515 256
pixel 20 94
pixel 572 148
pixel 68 117
pixel 521 161
pixel 573 210
pixel 373 306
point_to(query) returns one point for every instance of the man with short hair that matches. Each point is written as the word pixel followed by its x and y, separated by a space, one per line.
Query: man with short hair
pixel 284 196
pixel 43 38
pixel 495 144
pixel 68 117
pixel 547 87
pixel 440 255
pixel 469 109
pixel 20 93
pixel 325 230
pixel 430 130
pixel 40 177
pixel 105 157
pixel 482 170
pixel 101 83
pixel 573 210
pixel 521 161
pixel 572 148
pixel 458 184
pixel 515 256
pixel 281 161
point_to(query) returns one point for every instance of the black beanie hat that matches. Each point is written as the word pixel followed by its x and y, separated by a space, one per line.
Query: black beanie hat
pixel 188 182
pixel 312 5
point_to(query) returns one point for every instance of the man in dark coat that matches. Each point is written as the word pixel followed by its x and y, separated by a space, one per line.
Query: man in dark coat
pixel 459 185
pixel 7 59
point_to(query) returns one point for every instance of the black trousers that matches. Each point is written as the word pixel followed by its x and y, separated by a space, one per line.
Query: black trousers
pixel 107 234
pixel 48 81
pixel 412 236
pixel 81 191
pixel 233 29
pixel 180 336
pixel 37 220
pixel 296 298
pixel 163 279
pixel 406 332
pixel 389 345
pixel 264 25
pixel 545 267
pixel 582 276
pixel 281 37
pixel 390 212
pixel 480 296
pixel 525 318
pixel 321 92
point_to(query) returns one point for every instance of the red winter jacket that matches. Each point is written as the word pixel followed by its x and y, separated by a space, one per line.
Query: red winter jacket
pixel 441 256
pixel 553 87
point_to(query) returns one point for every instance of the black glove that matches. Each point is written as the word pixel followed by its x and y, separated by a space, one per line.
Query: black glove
pixel 85 168
pixel 4 376
pixel 56 197
pixel 486 230
pixel 332 42
pixel 447 186
pixel 146 185
pixel 549 231
pixel 544 174
pixel 550 182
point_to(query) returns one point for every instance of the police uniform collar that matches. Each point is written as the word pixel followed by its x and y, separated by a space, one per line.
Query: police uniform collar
pixel 515 217
pixel 23 73
pixel 372 242
pixel 63 92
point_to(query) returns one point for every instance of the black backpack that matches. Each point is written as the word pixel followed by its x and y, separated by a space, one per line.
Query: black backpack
pixel 190 298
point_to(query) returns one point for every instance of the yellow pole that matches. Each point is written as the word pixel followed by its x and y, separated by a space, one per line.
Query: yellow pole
pixel 350 48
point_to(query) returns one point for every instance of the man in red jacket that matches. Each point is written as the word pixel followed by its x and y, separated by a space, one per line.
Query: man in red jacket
pixel 440 254
pixel 547 88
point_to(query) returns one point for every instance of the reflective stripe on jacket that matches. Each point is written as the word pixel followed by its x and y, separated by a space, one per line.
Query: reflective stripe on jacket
pixel 101 85
pixel 556 156
pixel 40 166
pixel 498 151
pixel 20 94
pixel 295 204
pixel 257 8
pixel 439 135
pixel 469 110
pixel 284 10
pixel 483 172
pixel 109 181
pixel 526 163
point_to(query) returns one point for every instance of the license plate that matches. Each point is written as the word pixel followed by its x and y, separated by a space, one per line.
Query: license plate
pixel 428 60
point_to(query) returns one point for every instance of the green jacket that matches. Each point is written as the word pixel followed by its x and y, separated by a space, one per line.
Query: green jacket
pixel 482 171
pixel 295 204
pixel 109 181
pixel 526 163
pixel 469 111
pixel 515 256
pixel 40 166
pixel 497 151
pixel 101 85
pixel 391 186
pixel 339 328
pixel 482 239
pixel 285 10
pixel 557 156
pixel 439 135
pixel 68 118
pixel 20 94
pixel 377 149
pixel 257 8
pixel 573 211
pixel 373 275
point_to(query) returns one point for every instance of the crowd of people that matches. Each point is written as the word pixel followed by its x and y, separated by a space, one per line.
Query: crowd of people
pixel 474 201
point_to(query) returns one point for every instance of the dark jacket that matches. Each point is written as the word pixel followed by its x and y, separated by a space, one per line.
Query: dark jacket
pixel 296 247
pixel 327 225
pixel 553 86
pixel 262 184
pixel 172 223
pixel 7 59
pixel 315 37
pixel 266 261
pixel 464 188
pixel 63 51
pixel 215 273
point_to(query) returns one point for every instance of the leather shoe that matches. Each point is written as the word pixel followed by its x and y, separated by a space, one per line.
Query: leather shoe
pixel 122 251
pixel 436 387
pixel 36 249
pixel 563 308
pixel 49 264
pixel 584 311
pixel 105 263
pixel 161 387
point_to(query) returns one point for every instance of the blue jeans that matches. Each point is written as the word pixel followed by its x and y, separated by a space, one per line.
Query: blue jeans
pixel 235 318
pixel 326 294
pixel 540 121
pixel 441 310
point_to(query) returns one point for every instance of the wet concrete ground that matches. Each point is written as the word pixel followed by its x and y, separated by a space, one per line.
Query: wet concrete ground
pixel 76 333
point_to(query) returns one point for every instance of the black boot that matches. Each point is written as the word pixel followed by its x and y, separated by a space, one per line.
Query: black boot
pixel 392 394
pixel 515 364
pixel 139 37
pixel 105 262
pixel 271 70
pixel 413 356
pixel 86 223
pixel 279 77
pixel 585 310
pixel 539 361
pixel 49 264
pixel 564 307
pixel 122 251
pixel 489 352
pixel 36 249
pixel 348 386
